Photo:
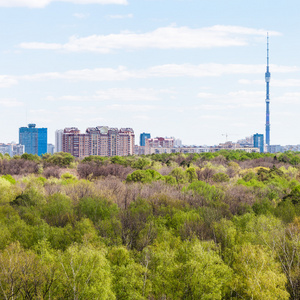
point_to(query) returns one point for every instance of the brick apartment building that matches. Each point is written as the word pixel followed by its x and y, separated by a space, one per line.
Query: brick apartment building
pixel 101 140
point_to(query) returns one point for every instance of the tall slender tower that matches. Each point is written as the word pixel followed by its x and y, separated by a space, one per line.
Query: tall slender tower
pixel 268 77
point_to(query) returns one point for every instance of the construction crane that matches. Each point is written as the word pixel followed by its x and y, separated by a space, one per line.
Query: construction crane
pixel 226 135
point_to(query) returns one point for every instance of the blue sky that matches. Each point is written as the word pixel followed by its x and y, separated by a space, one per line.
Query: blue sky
pixel 193 69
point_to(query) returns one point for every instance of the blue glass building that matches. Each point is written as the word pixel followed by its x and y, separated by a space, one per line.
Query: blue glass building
pixel 143 137
pixel 34 139
pixel 258 142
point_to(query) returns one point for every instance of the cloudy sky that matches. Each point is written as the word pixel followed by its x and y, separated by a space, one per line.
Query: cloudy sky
pixel 193 69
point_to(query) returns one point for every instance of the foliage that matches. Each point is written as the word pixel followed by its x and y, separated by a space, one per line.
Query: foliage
pixel 164 226
pixel 144 176
pixel 220 177
pixel 60 159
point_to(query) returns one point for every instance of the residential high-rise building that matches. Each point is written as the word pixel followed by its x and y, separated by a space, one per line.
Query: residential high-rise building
pixel 126 142
pixel 75 142
pixel 143 137
pixel 177 142
pixel 50 148
pixel 34 139
pixel 59 140
pixel 258 142
pixel 101 140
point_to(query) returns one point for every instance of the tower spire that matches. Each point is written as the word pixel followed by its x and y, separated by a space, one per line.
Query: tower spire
pixel 267 78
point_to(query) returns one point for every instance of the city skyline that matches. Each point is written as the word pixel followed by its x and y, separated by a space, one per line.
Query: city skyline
pixel 190 69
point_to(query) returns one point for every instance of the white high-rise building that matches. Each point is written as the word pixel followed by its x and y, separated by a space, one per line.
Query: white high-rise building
pixel 178 143
pixel 50 148
pixel 59 140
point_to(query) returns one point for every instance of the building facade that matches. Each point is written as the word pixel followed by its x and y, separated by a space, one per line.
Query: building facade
pixel 192 149
pixel 50 148
pixel 59 140
pixel 34 139
pixel 258 142
pixel 143 137
pixel 101 140
pixel 12 149
pixel 160 142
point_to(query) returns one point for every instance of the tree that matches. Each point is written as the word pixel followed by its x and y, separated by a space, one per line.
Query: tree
pixel 85 274
pixel 97 208
pixel 58 211
pixel 257 275
pixel 180 175
pixel 191 174
pixel 22 275
pixel 220 177
pixel 207 276
pixel 128 276
pixel 144 176
pixel 61 159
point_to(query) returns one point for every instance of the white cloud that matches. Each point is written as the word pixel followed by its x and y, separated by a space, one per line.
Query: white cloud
pixel 43 3
pixel 162 38
pixel 7 81
pixel 131 107
pixel 205 95
pixel 119 94
pixel 10 103
pixel 250 99
pixel 128 94
pixel 37 111
pixel 80 16
pixel 233 100
pixel 286 83
pixel 128 16
pixel 213 117
pixel 288 98
pixel 99 74
pixel 276 82
pixel 175 70
pixel 142 118
pixel 171 70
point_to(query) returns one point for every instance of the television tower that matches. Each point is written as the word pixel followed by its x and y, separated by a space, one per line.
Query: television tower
pixel 267 78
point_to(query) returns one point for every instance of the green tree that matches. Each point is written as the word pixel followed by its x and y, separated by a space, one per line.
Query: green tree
pixel 206 275
pixel 85 274
pixel 58 211
pixel 61 159
pixel 23 275
pixel 191 174
pixel 180 175
pixel 97 208
pixel 220 177
pixel 257 275
pixel 144 176
pixel 128 276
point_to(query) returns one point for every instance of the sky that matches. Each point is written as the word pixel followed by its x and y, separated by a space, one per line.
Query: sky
pixel 191 69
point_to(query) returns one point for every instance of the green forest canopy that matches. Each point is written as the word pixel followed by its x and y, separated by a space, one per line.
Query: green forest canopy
pixel 222 225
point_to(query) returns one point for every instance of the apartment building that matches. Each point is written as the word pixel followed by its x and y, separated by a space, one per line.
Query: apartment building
pixel 101 140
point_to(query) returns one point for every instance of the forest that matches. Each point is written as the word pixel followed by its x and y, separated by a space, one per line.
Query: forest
pixel 222 225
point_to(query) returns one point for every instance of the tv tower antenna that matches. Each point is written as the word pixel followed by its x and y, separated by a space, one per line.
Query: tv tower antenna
pixel 267 78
